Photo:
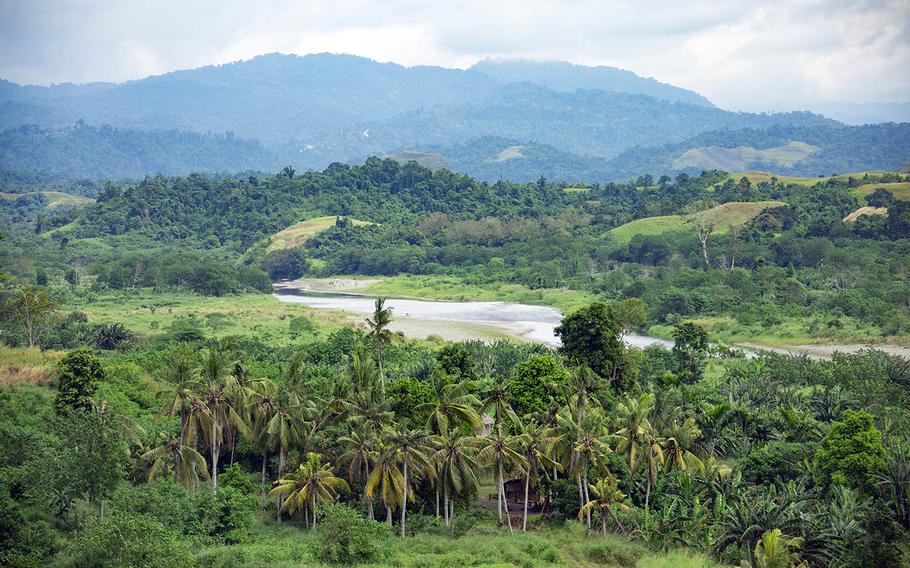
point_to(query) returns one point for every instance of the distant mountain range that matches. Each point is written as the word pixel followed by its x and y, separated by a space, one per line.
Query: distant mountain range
pixel 555 119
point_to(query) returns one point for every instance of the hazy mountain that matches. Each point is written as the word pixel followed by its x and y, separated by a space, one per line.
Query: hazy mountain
pixel 574 122
pixel 562 76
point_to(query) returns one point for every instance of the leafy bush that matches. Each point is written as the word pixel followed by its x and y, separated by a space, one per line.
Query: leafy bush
pixel 348 538
pixel 775 460
pixel 137 541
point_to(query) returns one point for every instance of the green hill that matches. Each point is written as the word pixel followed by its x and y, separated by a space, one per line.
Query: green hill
pixel 739 158
pixel 53 198
pixel 298 234
pixel 722 217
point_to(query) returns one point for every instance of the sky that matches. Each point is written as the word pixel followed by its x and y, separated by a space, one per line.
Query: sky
pixel 741 54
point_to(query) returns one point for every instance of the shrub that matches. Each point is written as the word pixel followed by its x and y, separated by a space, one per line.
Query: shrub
pixel 348 538
pixel 138 541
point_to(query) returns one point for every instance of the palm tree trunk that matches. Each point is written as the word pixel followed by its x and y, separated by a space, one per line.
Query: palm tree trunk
pixel 647 490
pixel 603 523
pixel 404 494
pixel 587 497
pixel 445 506
pixel 215 450
pixel 262 482
pixel 366 466
pixel 524 522
pixel 505 504
pixel 499 491
pixel 233 445
pixel 281 457
pixel 388 514
pixel 581 492
pixel 437 500
pixel 379 355
pixel 314 511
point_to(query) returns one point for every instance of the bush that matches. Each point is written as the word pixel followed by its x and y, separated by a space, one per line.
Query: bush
pixel 347 537
pixel 137 541
pixel 775 460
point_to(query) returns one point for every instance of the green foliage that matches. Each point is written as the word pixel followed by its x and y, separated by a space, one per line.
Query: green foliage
pixel 347 538
pixel 590 337
pixel 775 461
pixel 690 348
pixel 851 453
pixel 135 540
pixel 78 377
pixel 456 361
pixel 536 384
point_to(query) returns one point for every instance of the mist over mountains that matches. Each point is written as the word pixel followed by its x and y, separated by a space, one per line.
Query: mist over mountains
pixel 498 119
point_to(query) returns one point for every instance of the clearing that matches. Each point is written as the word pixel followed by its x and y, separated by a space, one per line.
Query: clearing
pixel 297 235
pixel 510 153
pixel 723 216
pixel 53 198
pixel 739 158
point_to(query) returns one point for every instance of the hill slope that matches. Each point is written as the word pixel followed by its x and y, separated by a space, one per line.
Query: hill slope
pixel 721 217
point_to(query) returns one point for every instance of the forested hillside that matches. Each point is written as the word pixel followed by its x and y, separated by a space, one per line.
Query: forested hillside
pixel 587 124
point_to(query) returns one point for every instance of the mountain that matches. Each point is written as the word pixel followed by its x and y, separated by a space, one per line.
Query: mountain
pixel 572 122
pixel 566 77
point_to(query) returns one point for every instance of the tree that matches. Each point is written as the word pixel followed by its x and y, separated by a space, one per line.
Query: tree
pixel 360 454
pixel 458 466
pixel 536 383
pixel 690 347
pixel 415 447
pixel 851 453
pixel 387 480
pixel 881 197
pixel 591 337
pixel 78 375
pixel 172 457
pixel 502 450
pixel 704 229
pixel 379 329
pixel 306 489
pixel 533 443
pixel 348 539
pixel 453 405
pixel 608 497
pixel 30 308
pixel 677 443
pixel 631 313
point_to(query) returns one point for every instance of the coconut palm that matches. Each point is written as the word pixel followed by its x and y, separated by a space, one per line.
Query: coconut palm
pixel 652 457
pixel 379 329
pixel 582 380
pixel 591 448
pixel 458 466
pixel 631 424
pixel 281 423
pixel 182 382
pixel 313 484
pixel 360 452
pixel 387 481
pixel 453 405
pixel 497 398
pixel 533 443
pixel 677 443
pixel 502 450
pixel 216 393
pixel 607 498
pixel 171 457
pixel 415 448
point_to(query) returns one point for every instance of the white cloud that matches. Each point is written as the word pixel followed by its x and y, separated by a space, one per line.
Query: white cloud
pixel 741 54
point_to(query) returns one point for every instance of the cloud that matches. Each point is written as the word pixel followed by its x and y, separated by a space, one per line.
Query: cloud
pixel 741 54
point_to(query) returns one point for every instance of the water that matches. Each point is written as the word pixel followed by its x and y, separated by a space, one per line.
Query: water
pixel 540 321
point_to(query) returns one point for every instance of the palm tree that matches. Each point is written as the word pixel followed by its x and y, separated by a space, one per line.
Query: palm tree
pixel 217 395
pixel 388 480
pixel 679 439
pixel 533 443
pixel 632 423
pixel 502 450
pixel 360 452
pixel 458 466
pixel 183 381
pixel 591 448
pixel 307 488
pixel 454 405
pixel 497 398
pixel 415 447
pixel 608 497
pixel 283 425
pixel 172 457
pixel 653 458
pixel 582 380
pixel 379 328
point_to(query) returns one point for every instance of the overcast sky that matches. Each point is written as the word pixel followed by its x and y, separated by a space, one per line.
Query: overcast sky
pixel 741 54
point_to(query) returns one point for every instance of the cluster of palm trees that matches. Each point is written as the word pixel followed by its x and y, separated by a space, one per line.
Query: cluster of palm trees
pixel 467 435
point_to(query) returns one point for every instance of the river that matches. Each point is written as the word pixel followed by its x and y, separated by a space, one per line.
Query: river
pixel 534 323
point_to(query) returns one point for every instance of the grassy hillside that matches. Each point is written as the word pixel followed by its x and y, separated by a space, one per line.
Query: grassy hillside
pixel 722 216
pixel 297 235
pixel 53 198
pixel 716 158
pixel 428 160
pixel 758 177
pixel 900 190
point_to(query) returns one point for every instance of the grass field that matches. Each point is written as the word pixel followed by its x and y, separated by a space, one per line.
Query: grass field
pixel 455 288
pixel 901 190
pixel 722 216
pixel 510 153
pixel 757 177
pixel 713 157
pixel 53 198
pixel 483 546
pixel 260 315
pixel 297 235
pixel 576 189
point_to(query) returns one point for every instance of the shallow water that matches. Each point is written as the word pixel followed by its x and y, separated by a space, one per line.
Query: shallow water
pixel 539 321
